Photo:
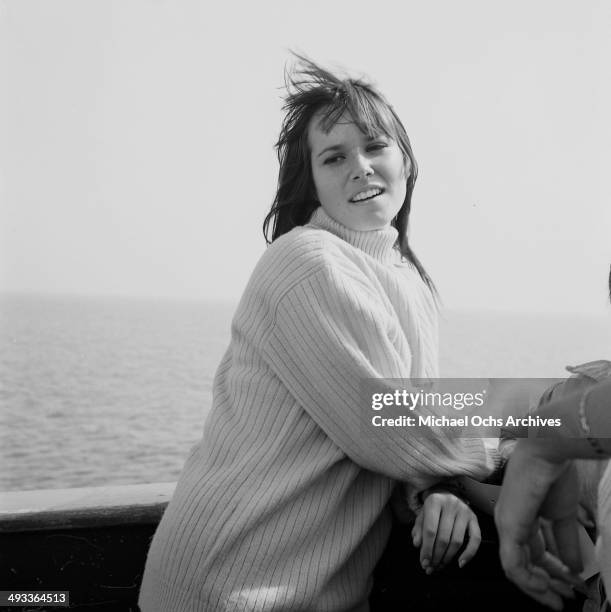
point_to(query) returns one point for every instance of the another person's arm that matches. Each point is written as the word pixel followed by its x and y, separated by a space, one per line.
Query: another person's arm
pixel 540 481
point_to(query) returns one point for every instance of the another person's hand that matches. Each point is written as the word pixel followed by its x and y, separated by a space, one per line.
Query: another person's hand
pixel 440 529
pixel 537 485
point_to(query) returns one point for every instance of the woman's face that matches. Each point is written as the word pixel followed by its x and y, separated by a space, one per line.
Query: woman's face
pixel 360 181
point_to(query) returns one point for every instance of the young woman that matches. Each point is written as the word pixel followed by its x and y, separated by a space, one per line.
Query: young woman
pixel 284 503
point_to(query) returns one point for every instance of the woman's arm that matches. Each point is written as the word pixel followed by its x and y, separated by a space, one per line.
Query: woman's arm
pixel 331 332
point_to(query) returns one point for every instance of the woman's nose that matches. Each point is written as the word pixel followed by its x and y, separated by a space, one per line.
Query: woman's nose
pixel 361 168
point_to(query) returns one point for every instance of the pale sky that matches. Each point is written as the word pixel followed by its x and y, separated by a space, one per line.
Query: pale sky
pixel 136 140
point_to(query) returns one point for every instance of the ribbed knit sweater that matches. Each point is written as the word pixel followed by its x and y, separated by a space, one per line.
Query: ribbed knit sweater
pixel 283 505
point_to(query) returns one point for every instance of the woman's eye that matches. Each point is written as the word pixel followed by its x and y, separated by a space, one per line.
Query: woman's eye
pixel 333 160
pixel 377 146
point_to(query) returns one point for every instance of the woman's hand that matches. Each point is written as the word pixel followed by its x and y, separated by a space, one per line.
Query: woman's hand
pixel 537 485
pixel 440 530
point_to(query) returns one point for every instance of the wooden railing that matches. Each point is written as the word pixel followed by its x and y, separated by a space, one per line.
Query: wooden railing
pixel 91 542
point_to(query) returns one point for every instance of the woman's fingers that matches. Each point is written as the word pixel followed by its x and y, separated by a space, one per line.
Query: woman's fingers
pixel 457 537
pixel 464 526
pixel 440 529
pixel 445 528
pixel 417 530
pixel 455 521
pixel 430 523
pixel 475 538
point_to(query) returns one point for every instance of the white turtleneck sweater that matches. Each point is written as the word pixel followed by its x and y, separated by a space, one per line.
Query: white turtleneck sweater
pixel 283 503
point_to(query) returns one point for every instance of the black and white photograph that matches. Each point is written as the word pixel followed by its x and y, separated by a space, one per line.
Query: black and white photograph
pixel 305 306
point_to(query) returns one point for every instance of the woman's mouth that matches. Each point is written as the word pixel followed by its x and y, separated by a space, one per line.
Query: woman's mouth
pixel 366 194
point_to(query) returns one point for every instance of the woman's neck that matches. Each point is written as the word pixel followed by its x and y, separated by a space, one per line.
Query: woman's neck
pixel 380 243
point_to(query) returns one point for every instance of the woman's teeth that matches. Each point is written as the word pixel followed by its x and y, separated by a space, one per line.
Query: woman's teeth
pixel 365 195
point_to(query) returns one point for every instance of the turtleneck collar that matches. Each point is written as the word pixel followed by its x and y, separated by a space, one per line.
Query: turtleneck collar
pixel 379 244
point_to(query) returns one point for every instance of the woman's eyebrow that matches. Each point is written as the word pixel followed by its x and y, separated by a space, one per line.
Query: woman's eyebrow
pixel 336 147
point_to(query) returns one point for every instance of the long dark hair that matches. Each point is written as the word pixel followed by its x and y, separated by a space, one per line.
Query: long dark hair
pixel 312 90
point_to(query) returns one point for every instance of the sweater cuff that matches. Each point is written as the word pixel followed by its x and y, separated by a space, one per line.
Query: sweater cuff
pixel 493 474
pixel 407 506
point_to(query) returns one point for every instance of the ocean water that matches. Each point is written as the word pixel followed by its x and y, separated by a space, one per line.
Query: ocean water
pixel 97 391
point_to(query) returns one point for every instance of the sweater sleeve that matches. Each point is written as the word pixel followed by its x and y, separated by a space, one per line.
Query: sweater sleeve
pixel 331 331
